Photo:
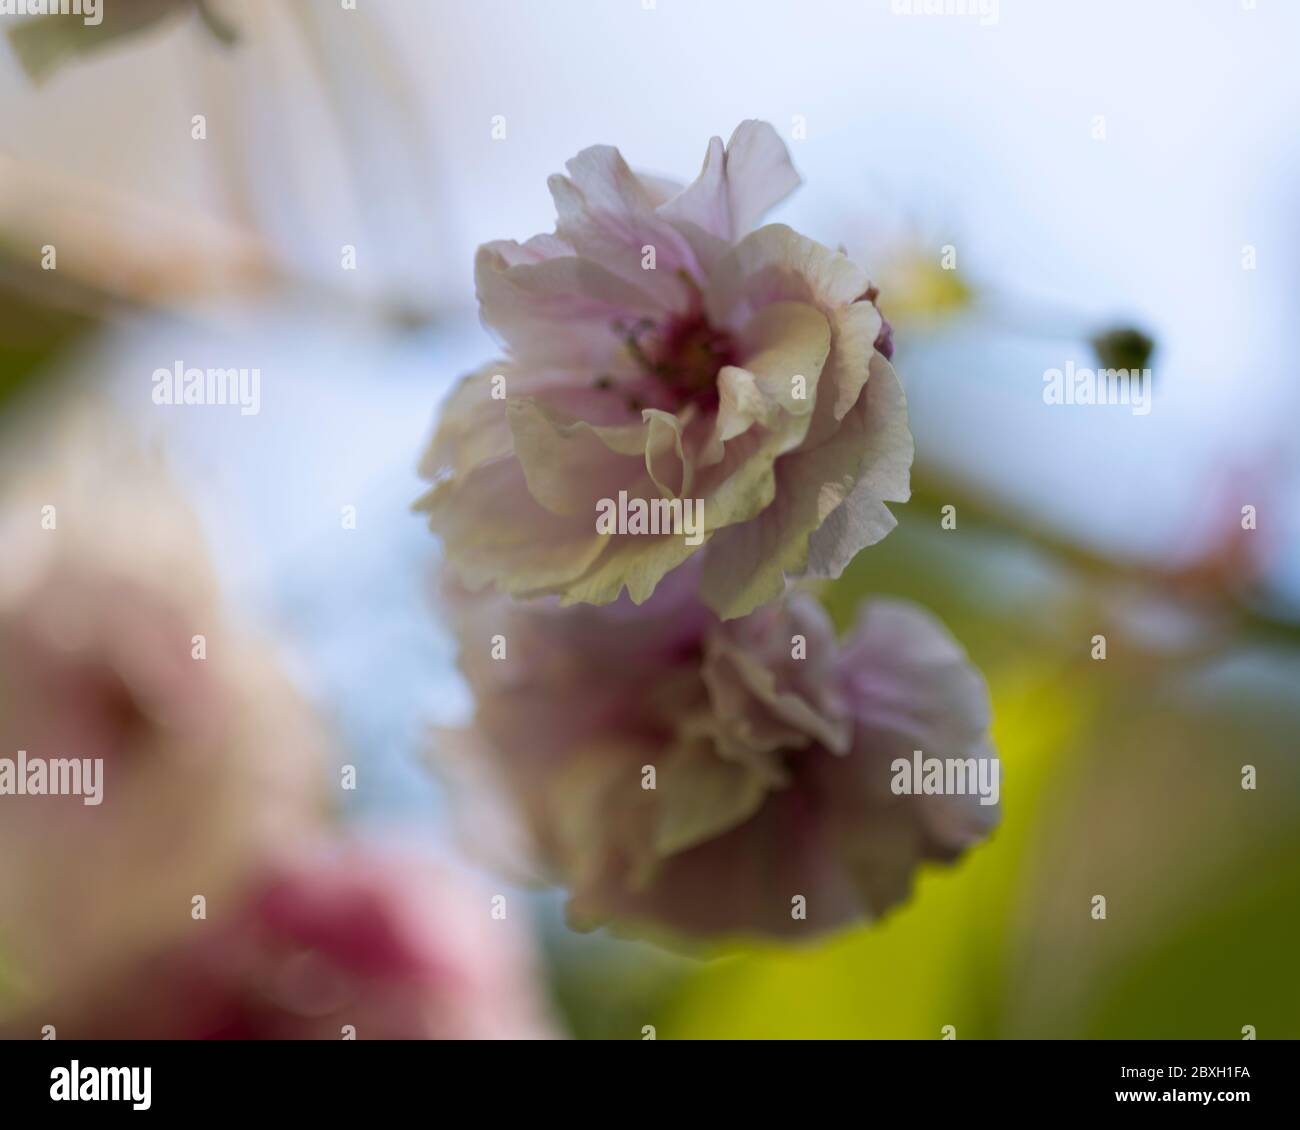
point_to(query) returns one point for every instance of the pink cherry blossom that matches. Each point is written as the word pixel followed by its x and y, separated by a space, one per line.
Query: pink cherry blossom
pixel 339 942
pixel 684 776
pixel 658 344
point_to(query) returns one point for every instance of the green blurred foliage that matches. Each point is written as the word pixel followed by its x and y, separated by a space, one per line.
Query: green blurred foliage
pixel 32 332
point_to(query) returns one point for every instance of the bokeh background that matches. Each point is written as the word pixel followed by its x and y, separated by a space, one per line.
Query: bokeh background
pixel 1094 167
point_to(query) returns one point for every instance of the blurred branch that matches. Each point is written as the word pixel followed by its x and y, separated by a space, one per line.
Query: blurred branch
pixel 1205 582
pixel 113 247
pixel 116 250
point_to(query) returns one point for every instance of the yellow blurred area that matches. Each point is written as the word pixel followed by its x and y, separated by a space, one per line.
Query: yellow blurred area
pixel 929 964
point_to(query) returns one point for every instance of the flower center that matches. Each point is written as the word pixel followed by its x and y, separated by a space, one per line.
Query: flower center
pixel 681 358
pixel 692 353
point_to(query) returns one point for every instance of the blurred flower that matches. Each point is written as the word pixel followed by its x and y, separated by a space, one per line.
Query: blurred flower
pixel 689 776
pixel 300 101
pixel 923 285
pixel 337 943
pixel 113 649
pixel 656 348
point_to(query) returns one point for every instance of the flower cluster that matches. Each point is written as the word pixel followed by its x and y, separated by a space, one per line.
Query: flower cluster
pixel 691 752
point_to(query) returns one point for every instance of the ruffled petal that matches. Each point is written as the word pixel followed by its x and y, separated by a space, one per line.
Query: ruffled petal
pixel 776 264
pixel 562 310
pixel 884 475
pixel 494 532
pixel 700 796
pixel 607 214
pixel 738 184
pixel 472 427
pixel 569 464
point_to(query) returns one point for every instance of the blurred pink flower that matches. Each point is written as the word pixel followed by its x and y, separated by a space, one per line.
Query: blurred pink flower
pixel 658 346
pixel 771 747
pixel 209 758
pixel 339 943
